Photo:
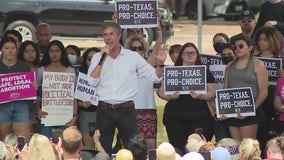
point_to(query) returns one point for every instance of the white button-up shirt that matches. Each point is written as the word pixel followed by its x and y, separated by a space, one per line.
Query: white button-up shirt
pixel 118 79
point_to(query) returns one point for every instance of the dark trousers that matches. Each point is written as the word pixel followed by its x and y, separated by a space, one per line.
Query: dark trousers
pixel 122 118
pixel 221 129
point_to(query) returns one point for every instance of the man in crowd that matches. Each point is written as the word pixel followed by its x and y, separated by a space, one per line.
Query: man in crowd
pixel 114 72
pixel 247 24
pixel 43 37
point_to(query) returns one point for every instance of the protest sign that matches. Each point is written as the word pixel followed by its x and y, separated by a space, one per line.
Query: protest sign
pixel 272 65
pixel 231 101
pixel 84 91
pixel 208 59
pixel 185 78
pixel 57 97
pixel 17 86
pixel 133 13
pixel 218 72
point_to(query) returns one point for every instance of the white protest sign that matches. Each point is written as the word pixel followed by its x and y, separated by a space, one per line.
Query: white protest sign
pixel 84 91
pixel 218 72
pixel 57 97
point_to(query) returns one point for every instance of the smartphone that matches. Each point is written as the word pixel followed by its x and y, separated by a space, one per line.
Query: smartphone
pixel 92 128
pixel 56 133
pixel 199 131
pixel 21 142
pixel 152 154
pixel 206 155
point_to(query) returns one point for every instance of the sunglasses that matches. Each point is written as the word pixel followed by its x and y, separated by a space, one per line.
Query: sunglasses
pixel 89 58
pixel 240 46
pixel 193 53
pixel 139 48
pixel 246 21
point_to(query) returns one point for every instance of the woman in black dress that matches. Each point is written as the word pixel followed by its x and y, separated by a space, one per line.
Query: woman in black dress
pixel 184 113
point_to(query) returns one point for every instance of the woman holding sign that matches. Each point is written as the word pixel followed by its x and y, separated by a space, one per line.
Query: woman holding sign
pixel 185 113
pixel 54 60
pixel 87 111
pixel 246 71
pixel 14 115
pixel 268 44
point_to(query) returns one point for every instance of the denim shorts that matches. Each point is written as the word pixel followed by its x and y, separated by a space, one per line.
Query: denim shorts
pixel 14 112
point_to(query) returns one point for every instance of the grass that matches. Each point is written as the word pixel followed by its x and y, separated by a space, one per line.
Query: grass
pixel 162 134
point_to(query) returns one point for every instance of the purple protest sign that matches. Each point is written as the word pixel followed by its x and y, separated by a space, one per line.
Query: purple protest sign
pixel 17 86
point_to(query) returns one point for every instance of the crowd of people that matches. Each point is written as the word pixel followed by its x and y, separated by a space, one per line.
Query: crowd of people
pixel 124 75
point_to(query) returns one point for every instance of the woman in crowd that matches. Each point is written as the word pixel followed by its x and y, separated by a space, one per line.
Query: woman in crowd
pixel 74 54
pixel 145 107
pixel 249 149
pixel 228 53
pixel 14 116
pixel 279 102
pixel 184 113
pixel 268 44
pixel 86 111
pixel 54 60
pixel 39 148
pixel 174 52
pixel 29 53
pixel 246 71
pixel 220 40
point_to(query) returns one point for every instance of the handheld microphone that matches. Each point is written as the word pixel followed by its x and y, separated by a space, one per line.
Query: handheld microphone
pixel 102 58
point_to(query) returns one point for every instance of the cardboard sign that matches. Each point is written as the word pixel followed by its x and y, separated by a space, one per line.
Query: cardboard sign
pixel 231 101
pixel 272 65
pixel 218 72
pixel 57 97
pixel 185 78
pixel 208 59
pixel 84 91
pixel 17 86
pixel 133 13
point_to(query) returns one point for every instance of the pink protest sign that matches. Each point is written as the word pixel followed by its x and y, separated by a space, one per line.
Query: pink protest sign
pixel 17 86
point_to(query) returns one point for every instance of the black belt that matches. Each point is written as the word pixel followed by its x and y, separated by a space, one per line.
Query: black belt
pixel 116 106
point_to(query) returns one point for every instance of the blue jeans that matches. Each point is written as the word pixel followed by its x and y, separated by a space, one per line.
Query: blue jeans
pixel 122 118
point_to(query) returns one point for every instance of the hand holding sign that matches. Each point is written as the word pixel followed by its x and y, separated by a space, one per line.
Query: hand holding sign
pixel 195 95
pixel 175 95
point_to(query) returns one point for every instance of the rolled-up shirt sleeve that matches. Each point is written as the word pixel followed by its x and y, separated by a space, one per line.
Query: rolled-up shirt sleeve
pixel 94 62
pixel 145 70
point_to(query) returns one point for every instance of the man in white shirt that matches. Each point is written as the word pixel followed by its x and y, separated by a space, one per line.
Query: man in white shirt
pixel 114 72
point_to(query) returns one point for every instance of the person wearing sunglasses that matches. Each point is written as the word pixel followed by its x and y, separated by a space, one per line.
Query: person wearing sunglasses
pixel 86 111
pixel 145 106
pixel 247 24
pixel 184 113
pixel 246 71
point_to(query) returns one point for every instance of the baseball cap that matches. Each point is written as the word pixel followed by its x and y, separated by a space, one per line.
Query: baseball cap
pixel 232 146
pixel 247 13
pixel 220 153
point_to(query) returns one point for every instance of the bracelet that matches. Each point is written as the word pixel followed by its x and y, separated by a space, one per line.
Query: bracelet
pixel 159 65
pixel 75 115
